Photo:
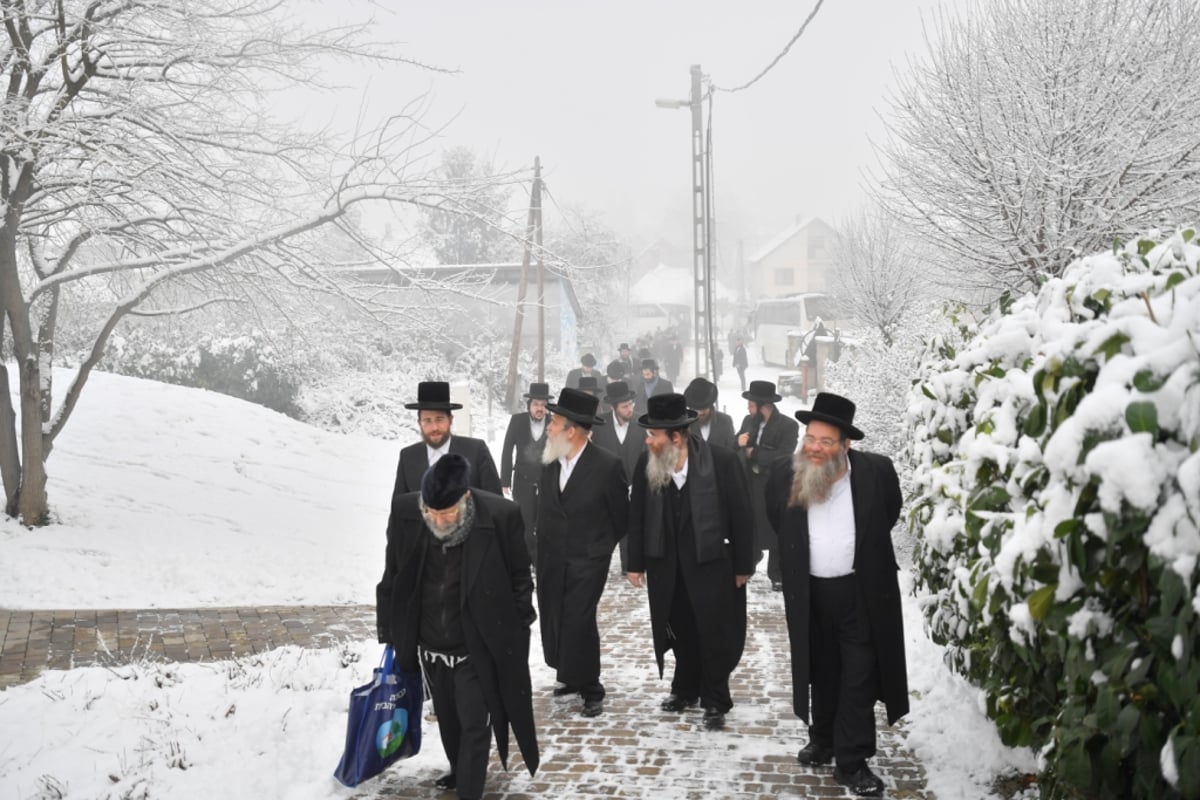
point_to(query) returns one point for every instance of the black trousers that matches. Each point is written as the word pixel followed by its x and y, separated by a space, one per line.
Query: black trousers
pixel 694 676
pixel 844 671
pixel 463 721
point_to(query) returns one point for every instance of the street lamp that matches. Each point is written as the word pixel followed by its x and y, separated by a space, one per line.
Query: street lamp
pixel 701 218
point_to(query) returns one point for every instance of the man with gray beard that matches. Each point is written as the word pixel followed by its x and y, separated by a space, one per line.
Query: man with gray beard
pixel 583 509
pixel 833 511
pixel 456 599
pixel 689 544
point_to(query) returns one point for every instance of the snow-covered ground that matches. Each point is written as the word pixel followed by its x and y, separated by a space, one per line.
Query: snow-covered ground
pixel 171 497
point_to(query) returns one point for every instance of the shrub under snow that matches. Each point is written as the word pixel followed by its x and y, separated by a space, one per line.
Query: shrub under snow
pixel 1057 475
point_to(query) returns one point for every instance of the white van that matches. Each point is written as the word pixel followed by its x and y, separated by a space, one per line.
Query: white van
pixel 794 314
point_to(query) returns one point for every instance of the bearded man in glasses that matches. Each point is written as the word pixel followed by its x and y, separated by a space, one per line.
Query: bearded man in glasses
pixel 833 511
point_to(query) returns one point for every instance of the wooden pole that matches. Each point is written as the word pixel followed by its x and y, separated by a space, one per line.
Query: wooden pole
pixel 519 317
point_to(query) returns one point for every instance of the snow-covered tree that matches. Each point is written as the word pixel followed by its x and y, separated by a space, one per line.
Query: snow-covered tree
pixel 141 171
pixel 1033 131
pixel 472 228
pixel 878 275
pixel 1055 453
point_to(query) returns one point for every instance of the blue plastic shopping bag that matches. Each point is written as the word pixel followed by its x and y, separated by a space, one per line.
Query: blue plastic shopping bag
pixel 384 722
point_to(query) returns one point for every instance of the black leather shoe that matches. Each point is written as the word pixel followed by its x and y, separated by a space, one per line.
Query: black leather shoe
pixel 859 780
pixel 814 755
pixel 446 782
pixel 676 703
pixel 714 720
pixel 563 691
pixel 592 708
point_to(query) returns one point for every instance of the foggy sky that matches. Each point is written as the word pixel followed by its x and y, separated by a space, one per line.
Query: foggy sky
pixel 575 83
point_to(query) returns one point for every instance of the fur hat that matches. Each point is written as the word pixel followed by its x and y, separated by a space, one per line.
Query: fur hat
pixel 446 482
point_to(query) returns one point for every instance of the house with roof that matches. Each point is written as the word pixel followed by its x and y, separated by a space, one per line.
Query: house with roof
pixel 797 259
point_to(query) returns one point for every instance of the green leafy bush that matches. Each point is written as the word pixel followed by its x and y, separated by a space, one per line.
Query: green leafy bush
pixel 1055 452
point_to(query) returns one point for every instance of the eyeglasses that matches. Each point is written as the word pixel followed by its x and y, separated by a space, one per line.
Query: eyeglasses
pixel 825 443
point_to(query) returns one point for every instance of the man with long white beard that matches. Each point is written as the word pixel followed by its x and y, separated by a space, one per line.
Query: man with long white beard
pixel 689 544
pixel 456 600
pixel 583 509
pixel 833 511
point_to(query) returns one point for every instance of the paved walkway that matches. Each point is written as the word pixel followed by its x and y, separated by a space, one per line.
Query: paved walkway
pixel 632 751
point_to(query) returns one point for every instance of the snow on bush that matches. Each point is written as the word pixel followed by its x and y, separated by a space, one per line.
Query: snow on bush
pixel 1057 479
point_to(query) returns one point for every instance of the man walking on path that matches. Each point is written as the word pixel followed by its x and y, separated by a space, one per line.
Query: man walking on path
pixel 740 360
pixel 456 598
pixel 689 544
pixel 766 440
pixel 434 415
pixel 834 509
pixel 521 458
pixel 583 509
pixel 620 436
pixel 715 427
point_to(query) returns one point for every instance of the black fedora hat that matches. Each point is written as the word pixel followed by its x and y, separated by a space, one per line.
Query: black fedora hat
pixel 577 406
pixel 589 384
pixel 539 391
pixel 588 360
pixel 700 393
pixel 649 363
pixel 433 396
pixel 623 346
pixel 617 392
pixel 667 411
pixel 616 370
pixel 834 409
pixel 762 392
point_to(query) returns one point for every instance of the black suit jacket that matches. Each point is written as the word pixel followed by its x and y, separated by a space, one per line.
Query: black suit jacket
pixel 605 437
pixel 663 386
pixel 414 460
pixel 875 492
pixel 720 431
pixel 497 607
pixel 780 436
pixel 527 461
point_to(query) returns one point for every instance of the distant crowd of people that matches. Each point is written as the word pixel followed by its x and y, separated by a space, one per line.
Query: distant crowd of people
pixel 619 461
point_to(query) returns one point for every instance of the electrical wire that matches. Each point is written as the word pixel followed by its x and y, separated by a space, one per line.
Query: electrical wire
pixel 779 57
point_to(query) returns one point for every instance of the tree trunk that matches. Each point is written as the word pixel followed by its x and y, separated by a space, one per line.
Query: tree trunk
pixel 10 455
pixel 32 505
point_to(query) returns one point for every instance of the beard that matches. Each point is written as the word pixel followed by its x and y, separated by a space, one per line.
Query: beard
pixel 812 483
pixel 435 440
pixel 443 531
pixel 556 447
pixel 659 466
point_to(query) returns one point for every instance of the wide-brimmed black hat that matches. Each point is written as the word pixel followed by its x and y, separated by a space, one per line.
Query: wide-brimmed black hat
pixel 623 346
pixel 667 411
pixel 616 370
pixel 762 392
pixel 649 363
pixel 589 384
pixel 577 406
pixel 588 360
pixel 539 391
pixel 834 409
pixel 433 396
pixel 700 394
pixel 446 481
pixel 617 392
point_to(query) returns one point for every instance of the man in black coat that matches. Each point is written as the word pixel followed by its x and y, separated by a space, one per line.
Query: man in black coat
pixel 625 359
pixel 619 435
pixel 434 415
pixel 834 509
pixel 583 509
pixel 688 542
pixel 587 367
pixel 456 599
pixel 714 427
pixel 521 458
pixel 650 385
pixel 766 440
pixel 740 360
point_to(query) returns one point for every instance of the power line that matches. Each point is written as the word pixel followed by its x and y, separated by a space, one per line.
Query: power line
pixel 779 57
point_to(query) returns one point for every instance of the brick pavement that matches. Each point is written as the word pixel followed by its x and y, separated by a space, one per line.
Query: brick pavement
pixel 633 750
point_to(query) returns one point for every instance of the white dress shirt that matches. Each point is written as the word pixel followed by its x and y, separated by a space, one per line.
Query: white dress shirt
pixel 621 428
pixel 831 532
pixel 680 477
pixel 568 466
pixel 434 454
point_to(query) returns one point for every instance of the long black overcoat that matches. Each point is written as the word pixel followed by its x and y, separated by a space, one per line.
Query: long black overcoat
pixel 721 432
pixel 577 531
pixel 605 436
pixel 772 453
pixel 414 460
pixel 497 608
pixel 718 604
pixel 875 490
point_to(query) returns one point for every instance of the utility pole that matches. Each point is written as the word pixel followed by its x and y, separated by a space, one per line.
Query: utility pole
pixel 702 300
pixel 532 226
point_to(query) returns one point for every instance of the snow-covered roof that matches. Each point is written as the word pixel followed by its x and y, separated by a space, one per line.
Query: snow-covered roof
pixel 672 286
pixel 783 238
